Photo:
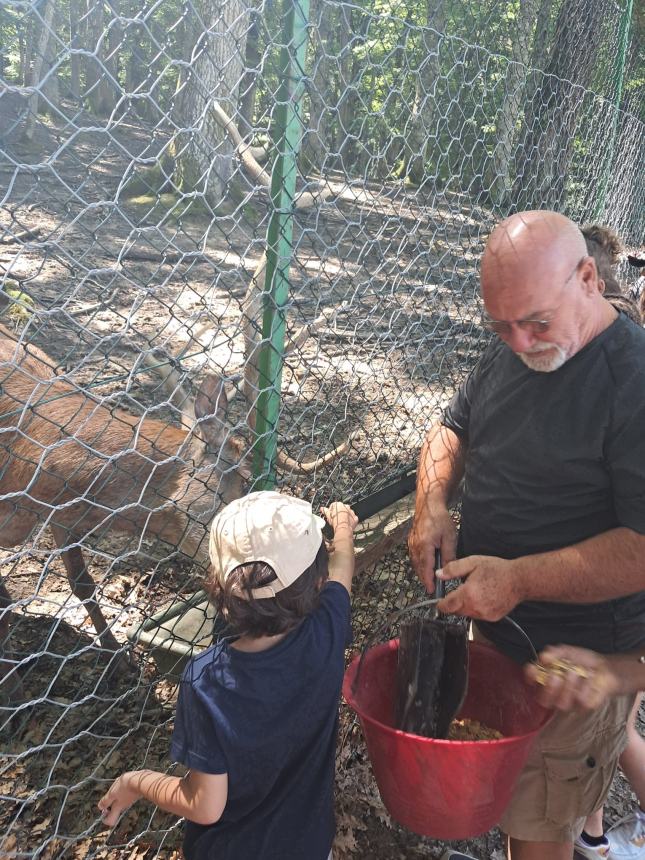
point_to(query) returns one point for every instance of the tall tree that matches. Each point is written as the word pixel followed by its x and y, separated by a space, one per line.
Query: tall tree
pixel 39 68
pixel 249 83
pixel 74 62
pixel 351 30
pixel 420 126
pixel 322 96
pixel 528 13
pixel 93 23
pixel 551 118
pixel 204 153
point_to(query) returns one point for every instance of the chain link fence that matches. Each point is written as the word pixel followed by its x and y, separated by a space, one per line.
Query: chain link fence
pixel 137 145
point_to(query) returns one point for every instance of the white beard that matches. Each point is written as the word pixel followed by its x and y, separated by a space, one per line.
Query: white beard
pixel 537 360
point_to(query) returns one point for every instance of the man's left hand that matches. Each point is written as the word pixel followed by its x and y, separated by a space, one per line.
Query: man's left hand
pixel 489 591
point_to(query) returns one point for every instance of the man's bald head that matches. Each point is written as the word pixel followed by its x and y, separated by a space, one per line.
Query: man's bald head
pixel 540 288
pixel 528 241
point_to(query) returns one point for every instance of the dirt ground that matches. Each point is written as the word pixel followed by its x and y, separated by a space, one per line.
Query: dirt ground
pixel 110 274
pixel 88 722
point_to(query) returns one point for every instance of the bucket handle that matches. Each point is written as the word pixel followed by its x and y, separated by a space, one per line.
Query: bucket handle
pixel 392 617
pixel 534 654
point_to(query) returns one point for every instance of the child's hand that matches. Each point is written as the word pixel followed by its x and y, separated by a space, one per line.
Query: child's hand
pixel 340 517
pixel 572 678
pixel 120 796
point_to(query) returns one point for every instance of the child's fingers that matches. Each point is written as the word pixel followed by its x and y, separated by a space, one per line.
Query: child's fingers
pixel 104 802
pixel 339 514
pixel 111 816
pixel 111 811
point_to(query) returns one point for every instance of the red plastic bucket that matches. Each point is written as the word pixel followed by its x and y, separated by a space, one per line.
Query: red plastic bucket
pixel 447 789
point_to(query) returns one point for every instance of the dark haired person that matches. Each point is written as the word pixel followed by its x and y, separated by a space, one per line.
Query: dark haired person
pixel 257 716
pixel 626 839
pixel 605 246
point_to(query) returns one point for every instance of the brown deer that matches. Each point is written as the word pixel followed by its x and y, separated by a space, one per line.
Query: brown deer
pixel 72 464
pixel 78 467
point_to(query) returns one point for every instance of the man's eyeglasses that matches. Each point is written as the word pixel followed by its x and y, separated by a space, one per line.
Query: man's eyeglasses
pixel 504 327
pixel 534 326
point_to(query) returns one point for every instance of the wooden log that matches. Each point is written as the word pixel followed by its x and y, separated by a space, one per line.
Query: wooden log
pixel 381 533
pixel 21 236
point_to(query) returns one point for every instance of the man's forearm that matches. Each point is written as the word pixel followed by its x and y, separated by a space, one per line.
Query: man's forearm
pixel 441 467
pixel 609 565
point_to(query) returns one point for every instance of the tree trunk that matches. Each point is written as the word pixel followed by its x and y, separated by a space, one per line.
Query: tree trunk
pixel 420 126
pixel 111 46
pixel 205 155
pixel 39 62
pixel 514 90
pixel 543 36
pixel 75 66
pixel 348 107
pixel 249 83
pixel 94 22
pixel 27 49
pixel 315 143
pixel 552 116
pixel 50 91
pixel 137 60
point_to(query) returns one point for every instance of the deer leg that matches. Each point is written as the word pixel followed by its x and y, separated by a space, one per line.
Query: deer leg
pixel 5 612
pixel 84 588
pixel 11 689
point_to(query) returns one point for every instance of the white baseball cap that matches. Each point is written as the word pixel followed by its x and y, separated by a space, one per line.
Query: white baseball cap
pixel 266 526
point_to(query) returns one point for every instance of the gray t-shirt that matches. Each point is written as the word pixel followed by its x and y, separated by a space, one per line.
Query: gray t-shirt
pixel 553 459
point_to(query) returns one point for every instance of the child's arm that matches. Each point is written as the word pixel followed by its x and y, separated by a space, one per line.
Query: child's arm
pixel 199 797
pixel 343 520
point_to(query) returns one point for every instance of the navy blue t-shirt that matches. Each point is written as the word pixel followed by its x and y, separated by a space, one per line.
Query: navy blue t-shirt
pixel 268 720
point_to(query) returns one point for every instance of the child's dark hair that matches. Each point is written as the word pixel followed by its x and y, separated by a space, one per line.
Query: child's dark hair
pixel 604 245
pixel 268 616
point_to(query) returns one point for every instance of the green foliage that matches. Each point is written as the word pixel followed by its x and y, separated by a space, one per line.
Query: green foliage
pixel 389 68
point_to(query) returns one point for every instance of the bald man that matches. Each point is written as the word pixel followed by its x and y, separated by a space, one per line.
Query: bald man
pixel 548 434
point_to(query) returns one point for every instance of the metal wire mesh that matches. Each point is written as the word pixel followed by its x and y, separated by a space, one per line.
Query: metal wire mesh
pixel 135 152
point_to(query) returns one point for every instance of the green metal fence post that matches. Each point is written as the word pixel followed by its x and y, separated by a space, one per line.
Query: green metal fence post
pixel 286 138
pixel 621 59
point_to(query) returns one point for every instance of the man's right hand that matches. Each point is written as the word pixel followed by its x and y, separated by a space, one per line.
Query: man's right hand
pixel 432 529
pixel 574 678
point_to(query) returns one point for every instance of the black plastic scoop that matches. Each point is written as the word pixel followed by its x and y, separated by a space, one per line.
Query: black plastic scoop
pixel 432 671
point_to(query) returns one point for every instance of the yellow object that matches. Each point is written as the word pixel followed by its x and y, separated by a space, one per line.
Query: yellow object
pixel 559 668
pixel 22 305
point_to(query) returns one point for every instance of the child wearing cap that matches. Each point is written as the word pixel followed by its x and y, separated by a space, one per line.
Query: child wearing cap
pixel 257 714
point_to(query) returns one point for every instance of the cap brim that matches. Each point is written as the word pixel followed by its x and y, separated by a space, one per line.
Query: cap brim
pixel 320 522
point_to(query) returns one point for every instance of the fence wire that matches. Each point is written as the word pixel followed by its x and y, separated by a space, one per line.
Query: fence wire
pixel 135 155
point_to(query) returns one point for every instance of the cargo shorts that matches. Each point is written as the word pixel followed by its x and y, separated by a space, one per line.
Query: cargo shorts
pixel 568 773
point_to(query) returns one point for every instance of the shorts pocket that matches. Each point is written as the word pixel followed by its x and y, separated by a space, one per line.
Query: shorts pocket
pixel 577 783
